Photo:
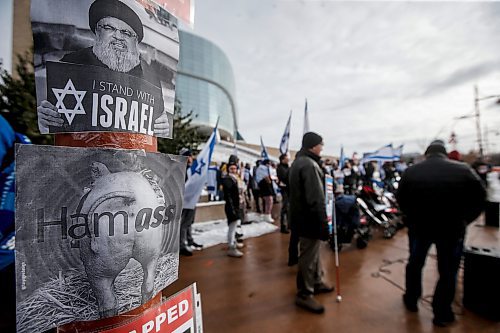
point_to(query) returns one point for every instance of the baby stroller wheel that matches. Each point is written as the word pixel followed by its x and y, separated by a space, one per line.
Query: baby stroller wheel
pixel 361 243
pixel 389 232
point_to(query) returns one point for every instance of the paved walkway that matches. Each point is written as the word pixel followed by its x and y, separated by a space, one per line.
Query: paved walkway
pixel 256 293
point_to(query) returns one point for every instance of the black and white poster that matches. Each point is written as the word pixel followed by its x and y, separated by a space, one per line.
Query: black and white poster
pixel 104 65
pixel 97 231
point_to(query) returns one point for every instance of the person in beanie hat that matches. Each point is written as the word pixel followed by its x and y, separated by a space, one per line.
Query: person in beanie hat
pixel 310 140
pixel 438 198
pixel 308 220
pixel 233 195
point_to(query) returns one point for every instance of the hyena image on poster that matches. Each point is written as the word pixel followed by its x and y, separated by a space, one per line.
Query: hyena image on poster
pixel 105 237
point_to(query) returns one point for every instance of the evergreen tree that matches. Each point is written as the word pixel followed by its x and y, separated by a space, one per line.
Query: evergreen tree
pixel 18 106
pixel 185 134
pixel 18 100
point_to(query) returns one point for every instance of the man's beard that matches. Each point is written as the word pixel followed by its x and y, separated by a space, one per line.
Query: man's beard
pixel 117 60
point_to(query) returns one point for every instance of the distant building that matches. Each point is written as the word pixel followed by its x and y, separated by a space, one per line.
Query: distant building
pixel 205 84
pixel 205 80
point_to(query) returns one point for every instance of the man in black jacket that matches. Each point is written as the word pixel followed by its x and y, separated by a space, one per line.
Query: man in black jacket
pixel 308 219
pixel 439 198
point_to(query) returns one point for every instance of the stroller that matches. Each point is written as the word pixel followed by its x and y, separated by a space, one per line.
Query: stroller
pixel 379 208
pixel 349 223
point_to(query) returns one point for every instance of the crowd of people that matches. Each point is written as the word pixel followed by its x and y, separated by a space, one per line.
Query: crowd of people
pixel 438 196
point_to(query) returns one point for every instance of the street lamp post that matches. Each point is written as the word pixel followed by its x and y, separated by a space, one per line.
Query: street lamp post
pixel 478 114
pixel 478 122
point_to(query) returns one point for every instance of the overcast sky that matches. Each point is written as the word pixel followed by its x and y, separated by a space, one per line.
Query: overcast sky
pixel 373 72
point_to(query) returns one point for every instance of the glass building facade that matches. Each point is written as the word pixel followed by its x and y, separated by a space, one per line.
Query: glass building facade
pixel 205 84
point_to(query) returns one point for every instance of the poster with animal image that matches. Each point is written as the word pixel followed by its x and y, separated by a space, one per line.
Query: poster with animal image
pixel 97 231
pixel 104 66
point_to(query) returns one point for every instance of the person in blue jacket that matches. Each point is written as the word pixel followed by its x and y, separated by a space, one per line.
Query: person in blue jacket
pixel 8 139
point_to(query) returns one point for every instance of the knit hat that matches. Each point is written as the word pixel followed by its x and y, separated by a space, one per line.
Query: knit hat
pixel 454 155
pixel 233 159
pixel 117 9
pixel 310 140
pixel 185 152
pixel 436 147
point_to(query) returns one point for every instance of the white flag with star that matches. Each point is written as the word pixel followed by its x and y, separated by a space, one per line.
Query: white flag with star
pixel 198 172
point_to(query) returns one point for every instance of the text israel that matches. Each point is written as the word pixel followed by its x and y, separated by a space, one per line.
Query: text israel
pixel 113 111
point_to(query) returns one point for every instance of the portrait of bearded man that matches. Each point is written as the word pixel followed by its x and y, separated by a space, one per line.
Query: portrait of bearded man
pixel 117 31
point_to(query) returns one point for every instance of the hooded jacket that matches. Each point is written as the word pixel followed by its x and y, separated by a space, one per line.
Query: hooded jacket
pixel 307 197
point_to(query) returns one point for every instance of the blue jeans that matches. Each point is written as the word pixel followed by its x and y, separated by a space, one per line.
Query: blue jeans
pixel 449 254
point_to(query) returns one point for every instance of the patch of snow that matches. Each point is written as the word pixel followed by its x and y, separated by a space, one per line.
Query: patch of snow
pixel 215 232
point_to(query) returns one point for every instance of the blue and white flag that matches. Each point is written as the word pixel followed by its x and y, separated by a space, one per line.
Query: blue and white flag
pixel 397 153
pixel 286 136
pixel 212 180
pixel 263 150
pixel 306 119
pixel 342 158
pixel 384 154
pixel 198 172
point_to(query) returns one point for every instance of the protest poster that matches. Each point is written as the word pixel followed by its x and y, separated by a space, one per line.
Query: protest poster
pixel 104 66
pixel 97 231
pixel 329 201
pixel 180 313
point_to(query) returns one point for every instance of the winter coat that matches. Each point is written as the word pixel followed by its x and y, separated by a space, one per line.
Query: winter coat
pixel 282 171
pixel 232 198
pixel 307 197
pixel 347 211
pixel 439 197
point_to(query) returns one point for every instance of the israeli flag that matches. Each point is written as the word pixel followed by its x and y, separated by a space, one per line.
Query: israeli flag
pixel 198 172
pixel 263 150
pixel 397 153
pixel 384 154
pixel 342 158
pixel 286 136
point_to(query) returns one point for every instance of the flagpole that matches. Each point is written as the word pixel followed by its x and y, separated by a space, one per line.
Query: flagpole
pixel 306 119
pixel 217 122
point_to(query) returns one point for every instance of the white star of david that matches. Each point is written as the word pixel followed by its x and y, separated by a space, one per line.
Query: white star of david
pixel 69 89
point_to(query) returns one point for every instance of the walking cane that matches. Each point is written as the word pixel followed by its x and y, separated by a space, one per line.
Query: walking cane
pixel 337 268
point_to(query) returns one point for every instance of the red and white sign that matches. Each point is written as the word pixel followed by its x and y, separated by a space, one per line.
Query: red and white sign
pixel 180 313
pixel 182 9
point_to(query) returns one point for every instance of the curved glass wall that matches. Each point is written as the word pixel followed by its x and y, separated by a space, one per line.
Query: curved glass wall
pixel 205 83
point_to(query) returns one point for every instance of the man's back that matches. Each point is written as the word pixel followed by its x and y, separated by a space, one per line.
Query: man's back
pixel 440 195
